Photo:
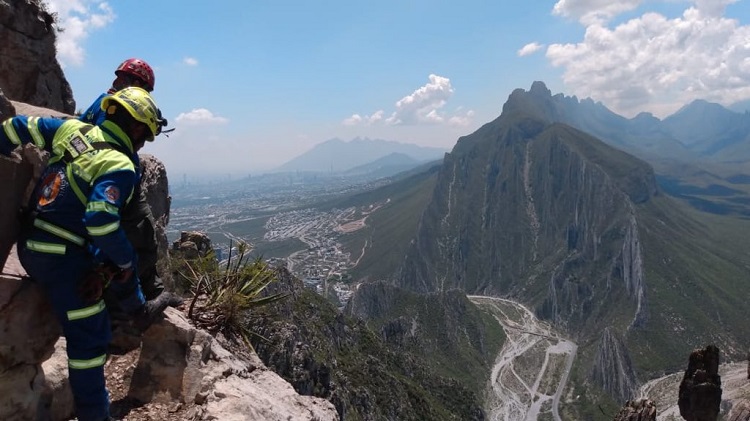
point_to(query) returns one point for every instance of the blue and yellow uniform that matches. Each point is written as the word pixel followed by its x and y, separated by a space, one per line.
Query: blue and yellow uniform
pixel 90 177
pixel 94 114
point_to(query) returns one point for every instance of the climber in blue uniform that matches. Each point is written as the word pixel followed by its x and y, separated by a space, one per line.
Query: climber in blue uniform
pixel 74 229
pixel 137 219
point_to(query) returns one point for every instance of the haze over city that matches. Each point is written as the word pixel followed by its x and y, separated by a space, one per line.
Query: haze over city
pixel 252 85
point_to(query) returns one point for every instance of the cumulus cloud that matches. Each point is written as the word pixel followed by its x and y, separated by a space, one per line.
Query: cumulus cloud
pixel 357 119
pixel 590 12
pixel 652 63
pixel 200 116
pixel 423 106
pixel 529 49
pixel 462 120
pixel 190 61
pixel 78 19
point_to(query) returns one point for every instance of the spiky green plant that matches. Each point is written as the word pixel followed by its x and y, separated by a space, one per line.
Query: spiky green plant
pixel 225 294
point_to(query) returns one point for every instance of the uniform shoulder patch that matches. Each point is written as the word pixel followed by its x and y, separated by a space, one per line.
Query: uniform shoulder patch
pixel 112 193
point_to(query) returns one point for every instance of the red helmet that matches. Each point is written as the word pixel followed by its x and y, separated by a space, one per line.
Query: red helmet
pixel 140 69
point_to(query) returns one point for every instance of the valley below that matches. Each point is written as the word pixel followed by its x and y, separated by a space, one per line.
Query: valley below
pixel 531 371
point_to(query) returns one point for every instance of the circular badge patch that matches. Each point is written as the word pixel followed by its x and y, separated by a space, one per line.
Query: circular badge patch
pixel 112 193
pixel 50 189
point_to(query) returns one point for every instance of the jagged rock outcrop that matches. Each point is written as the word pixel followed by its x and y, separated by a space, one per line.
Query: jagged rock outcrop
pixel 181 372
pixel 700 389
pixel 6 107
pixel 612 368
pixel 28 331
pixel 155 186
pixel 29 71
pixel 192 244
pixel 639 410
pixel 179 362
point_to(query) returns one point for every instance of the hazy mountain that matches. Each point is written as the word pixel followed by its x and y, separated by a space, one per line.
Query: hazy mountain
pixel 386 166
pixel 741 106
pixel 536 210
pixel 336 155
pixel 711 130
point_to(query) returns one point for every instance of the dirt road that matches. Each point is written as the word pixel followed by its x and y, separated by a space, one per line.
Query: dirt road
pixel 531 370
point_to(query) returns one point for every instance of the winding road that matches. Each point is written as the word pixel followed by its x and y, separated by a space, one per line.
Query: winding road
pixel 532 368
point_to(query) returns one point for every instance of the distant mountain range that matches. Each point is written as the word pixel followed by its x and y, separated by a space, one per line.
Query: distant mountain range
pixel 336 155
pixel 555 204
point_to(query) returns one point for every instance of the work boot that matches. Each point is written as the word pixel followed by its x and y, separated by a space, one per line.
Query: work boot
pixel 148 314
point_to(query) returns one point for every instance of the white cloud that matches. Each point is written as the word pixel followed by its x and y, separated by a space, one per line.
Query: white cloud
pixel 462 120
pixel 354 120
pixel 656 64
pixel 357 119
pixel 200 116
pixel 529 49
pixel 423 106
pixel 590 12
pixel 78 19
pixel 190 61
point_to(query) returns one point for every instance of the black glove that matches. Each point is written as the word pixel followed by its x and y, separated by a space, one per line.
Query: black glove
pixel 150 311
pixel 92 285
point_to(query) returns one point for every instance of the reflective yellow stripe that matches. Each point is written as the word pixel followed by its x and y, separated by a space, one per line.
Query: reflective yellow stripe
pixel 45 247
pixel 84 364
pixel 60 232
pixel 102 207
pixel 74 184
pixel 33 126
pixel 11 132
pixel 83 313
pixel 104 229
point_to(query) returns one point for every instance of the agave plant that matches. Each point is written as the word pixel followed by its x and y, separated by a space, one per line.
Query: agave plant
pixel 224 294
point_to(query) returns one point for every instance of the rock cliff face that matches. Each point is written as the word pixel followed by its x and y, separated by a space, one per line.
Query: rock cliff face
pixel 530 208
pixel 29 71
pixel 540 211
pixel 323 352
pixel 613 369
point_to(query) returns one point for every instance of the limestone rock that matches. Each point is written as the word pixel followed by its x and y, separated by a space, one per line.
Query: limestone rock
pixel 180 362
pixel 28 331
pixel 6 107
pixel 155 184
pixel 700 389
pixel 29 70
pixel 60 405
pixel 639 410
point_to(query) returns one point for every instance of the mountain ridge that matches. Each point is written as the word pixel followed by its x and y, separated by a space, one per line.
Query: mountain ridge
pixel 336 155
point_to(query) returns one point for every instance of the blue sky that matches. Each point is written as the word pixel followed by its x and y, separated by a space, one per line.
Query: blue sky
pixel 251 84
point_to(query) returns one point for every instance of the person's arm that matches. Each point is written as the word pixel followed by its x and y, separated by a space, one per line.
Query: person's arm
pixel 20 130
pixel 94 114
pixel 109 194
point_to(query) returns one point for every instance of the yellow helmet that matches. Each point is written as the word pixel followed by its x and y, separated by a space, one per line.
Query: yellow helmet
pixel 139 105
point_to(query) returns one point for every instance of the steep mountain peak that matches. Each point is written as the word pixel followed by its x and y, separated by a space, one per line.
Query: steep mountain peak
pixel 702 108
pixel 538 88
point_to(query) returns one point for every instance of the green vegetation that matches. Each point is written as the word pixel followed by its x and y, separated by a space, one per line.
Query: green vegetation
pixel 390 229
pixel 366 371
pixel 224 296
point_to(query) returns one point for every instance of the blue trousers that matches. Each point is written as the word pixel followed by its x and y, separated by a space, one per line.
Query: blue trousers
pixel 85 325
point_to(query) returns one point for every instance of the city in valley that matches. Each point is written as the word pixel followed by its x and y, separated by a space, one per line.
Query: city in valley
pixel 287 218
